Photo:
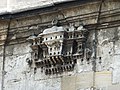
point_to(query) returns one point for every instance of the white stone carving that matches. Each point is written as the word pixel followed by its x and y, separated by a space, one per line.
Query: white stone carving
pixel 57 49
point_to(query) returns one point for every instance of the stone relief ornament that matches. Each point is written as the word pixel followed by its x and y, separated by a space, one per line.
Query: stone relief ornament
pixel 58 49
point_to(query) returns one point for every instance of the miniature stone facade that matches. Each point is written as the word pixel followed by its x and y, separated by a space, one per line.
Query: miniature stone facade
pixel 57 49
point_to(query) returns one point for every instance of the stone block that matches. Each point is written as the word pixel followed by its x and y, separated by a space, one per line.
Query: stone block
pixel 116 66
pixel 68 83
pixel 84 80
pixel 77 82
pixel 103 79
pixel 114 87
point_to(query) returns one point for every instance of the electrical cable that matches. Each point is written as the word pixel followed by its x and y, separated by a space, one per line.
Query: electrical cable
pixel 4 54
pixel 95 41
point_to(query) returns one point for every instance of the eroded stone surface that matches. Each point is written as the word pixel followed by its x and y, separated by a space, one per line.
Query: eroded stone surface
pixel 19 76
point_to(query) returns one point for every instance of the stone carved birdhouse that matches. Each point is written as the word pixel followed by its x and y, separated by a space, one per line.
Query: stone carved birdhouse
pixel 57 48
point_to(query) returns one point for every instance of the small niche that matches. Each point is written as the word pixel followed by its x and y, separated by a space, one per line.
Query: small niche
pixel 77 35
pixel 69 53
pixel 88 60
pixel 80 47
pixel 46 71
pixel 55 37
pixel 81 60
pixel 49 65
pixel 67 29
pixel 50 49
pixel 99 58
pixel 70 62
pixel 60 36
pixel 75 61
pixel 54 48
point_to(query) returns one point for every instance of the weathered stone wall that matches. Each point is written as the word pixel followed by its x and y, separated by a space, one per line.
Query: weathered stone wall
pixel 19 76
pixel 11 6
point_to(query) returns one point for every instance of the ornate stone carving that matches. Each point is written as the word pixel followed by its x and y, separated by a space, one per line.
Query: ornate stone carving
pixel 57 49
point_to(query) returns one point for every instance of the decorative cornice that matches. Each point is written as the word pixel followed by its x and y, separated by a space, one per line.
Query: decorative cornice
pixel 23 32
pixel 49 9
